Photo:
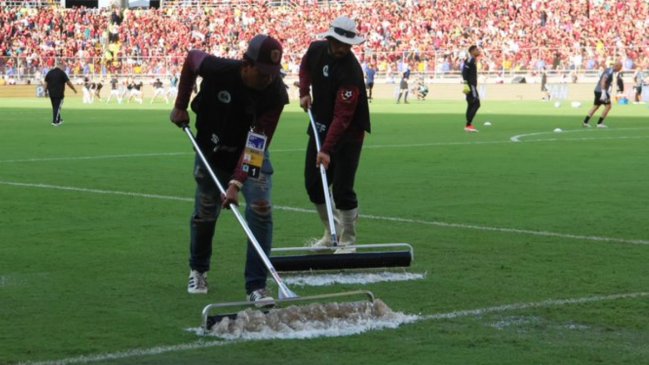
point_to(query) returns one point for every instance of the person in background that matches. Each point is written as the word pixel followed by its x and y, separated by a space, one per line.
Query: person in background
pixel 603 95
pixel 55 81
pixel 403 88
pixel 470 77
pixel 639 80
pixel 370 73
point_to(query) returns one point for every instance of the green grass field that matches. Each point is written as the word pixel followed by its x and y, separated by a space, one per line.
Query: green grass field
pixel 535 252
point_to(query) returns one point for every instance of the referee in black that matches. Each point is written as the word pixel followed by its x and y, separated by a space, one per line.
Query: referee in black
pixel 470 77
pixel 55 81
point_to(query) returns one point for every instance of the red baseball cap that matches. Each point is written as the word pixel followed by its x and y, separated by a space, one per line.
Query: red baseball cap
pixel 265 52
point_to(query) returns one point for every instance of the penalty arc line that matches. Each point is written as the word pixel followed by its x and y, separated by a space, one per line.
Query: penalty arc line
pixel 366 216
pixel 159 350
pixel 517 138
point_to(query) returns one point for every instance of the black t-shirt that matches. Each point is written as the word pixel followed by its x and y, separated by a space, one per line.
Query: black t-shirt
pixel 470 72
pixel 226 109
pixel 328 75
pixel 56 80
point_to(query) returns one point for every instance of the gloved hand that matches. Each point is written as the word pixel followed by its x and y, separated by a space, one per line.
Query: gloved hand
pixel 467 89
pixel 604 96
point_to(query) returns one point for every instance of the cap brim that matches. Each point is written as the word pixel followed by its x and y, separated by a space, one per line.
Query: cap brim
pixel 351 41
pixel 268 69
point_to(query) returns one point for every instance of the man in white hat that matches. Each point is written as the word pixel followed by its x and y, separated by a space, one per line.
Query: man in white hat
pixel 331 73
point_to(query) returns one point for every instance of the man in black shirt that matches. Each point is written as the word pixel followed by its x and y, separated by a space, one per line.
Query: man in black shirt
pixel 55 81
pixel 114 90
pixel 403 88
pixel 158 91
pixel 331 72
pixel 239 100
pixel 470 77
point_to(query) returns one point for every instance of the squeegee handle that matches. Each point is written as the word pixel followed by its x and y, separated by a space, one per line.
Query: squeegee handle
pixel 325 185
pixel 284 290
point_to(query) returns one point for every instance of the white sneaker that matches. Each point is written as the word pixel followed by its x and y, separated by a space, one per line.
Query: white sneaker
pixel 197 282
pixel 602 125
pixel 261 298
pixel 586 125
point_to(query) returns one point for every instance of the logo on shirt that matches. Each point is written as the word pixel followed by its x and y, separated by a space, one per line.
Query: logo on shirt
pixel 224 97
pixel 325 71
pixel 346 94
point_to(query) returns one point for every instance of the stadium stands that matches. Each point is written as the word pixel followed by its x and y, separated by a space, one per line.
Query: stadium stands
pixel 427 36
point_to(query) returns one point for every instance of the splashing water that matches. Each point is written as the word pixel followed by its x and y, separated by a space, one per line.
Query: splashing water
pixel 309 321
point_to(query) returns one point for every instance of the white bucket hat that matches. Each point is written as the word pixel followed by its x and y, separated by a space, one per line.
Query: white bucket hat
pixel 344 30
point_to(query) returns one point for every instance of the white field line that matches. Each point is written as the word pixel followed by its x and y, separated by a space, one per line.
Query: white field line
pixel 134 353
pixel 543 304
pixel 517 138
pixel 367 146
pixel 510 230
pixel 365 216
pixel 439 316
pixel 99 157
pixel 96 191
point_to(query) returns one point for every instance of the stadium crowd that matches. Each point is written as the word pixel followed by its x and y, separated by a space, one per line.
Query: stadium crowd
pixel 427 36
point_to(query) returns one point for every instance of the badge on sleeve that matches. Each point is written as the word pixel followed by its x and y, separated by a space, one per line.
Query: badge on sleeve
pixel 347 95
pixel 253 154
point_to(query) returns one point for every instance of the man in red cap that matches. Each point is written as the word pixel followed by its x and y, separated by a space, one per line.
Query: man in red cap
pixel 239 101
pixel 331 72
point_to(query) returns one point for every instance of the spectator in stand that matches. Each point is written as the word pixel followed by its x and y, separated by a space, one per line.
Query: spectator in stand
pixel 511 32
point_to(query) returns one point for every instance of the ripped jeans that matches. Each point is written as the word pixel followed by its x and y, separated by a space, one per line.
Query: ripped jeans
pixel 258 214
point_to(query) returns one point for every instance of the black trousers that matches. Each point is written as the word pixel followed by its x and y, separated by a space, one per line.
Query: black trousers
pixel 56 109
pixel 473 104
pixel 340 174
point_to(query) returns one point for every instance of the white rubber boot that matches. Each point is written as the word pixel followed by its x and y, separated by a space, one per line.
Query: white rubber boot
pixel 348 219
pixel 325 241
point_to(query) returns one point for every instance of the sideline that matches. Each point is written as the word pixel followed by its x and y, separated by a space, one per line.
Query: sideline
pixel 366 216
